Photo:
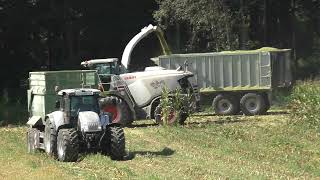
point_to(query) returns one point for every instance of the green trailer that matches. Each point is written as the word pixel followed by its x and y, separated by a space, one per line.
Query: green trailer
pixel 43 87
pixel 238 80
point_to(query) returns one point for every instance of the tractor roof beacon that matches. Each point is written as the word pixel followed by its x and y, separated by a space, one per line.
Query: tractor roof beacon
pixel 76 126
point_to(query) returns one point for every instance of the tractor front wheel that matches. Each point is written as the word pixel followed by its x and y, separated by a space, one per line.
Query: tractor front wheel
pixel 68 145
pixel 117 142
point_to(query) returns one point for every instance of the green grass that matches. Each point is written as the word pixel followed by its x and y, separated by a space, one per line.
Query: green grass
pixel 208 147
pixel 305 105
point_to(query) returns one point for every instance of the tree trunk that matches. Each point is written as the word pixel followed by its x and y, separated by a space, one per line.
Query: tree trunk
pixel 265 22
pixel 178 38
pixel 293 41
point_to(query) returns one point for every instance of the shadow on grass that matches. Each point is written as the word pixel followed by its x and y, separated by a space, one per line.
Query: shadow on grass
pixel 218 122
pixel 278 112
pixel 165 152
pixel 281 112
pixel 143 125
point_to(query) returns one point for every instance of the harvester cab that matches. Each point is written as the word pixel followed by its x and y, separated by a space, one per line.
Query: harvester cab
pixel 105 69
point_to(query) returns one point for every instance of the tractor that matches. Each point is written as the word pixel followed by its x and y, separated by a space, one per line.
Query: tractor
pixel 76 126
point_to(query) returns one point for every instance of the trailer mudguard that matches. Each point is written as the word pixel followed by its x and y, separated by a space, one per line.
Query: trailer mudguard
pixel 35 121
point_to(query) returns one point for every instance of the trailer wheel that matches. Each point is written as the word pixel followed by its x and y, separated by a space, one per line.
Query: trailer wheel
pixel 50 139
pixel 31 148
pixel 253 104
pixel 68 145
pixel 225 105
pixel 117 142
pixel 118 108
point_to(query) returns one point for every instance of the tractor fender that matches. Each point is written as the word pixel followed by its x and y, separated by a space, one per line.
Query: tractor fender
pixel 56 118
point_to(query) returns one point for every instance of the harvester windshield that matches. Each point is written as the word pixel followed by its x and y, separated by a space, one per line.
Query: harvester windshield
pixel 106 69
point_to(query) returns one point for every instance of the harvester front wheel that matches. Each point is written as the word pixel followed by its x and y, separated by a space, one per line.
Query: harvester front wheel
pixel 172 116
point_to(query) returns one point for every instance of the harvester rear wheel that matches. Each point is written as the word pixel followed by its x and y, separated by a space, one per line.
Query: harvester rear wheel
pixel 118 108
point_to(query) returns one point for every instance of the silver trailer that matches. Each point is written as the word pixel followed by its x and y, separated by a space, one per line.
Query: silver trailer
pixel 239 80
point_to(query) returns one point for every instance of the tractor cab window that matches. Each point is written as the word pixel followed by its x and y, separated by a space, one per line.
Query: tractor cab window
pixel 83 103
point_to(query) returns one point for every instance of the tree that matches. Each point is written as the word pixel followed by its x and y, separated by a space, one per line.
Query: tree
pixel 208 24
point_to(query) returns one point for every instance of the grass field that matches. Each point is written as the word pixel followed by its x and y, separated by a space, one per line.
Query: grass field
pixel 208 147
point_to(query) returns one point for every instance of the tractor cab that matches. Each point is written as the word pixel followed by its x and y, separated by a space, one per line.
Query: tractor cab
pixel 74 102
pixel 105 69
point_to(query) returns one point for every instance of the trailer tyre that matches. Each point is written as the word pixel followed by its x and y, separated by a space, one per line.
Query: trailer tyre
pixel 253 104
pixel 68 145
pixel 117 142
pixel 225 105
pixel 50 139
pixel 30 140
pixel 118 108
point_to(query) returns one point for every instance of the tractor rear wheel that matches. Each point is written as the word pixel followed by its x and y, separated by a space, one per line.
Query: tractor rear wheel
pixel 117 142
pixel 30 140
pixel 68 145
pixel 50 139
pixel 118 108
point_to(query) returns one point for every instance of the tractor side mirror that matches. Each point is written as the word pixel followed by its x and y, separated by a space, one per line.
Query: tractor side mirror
pixel 57 106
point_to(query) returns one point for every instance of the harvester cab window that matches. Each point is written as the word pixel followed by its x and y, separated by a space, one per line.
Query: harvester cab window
pixel 107 68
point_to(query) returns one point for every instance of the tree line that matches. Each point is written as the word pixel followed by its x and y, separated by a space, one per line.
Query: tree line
pixel 59 34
